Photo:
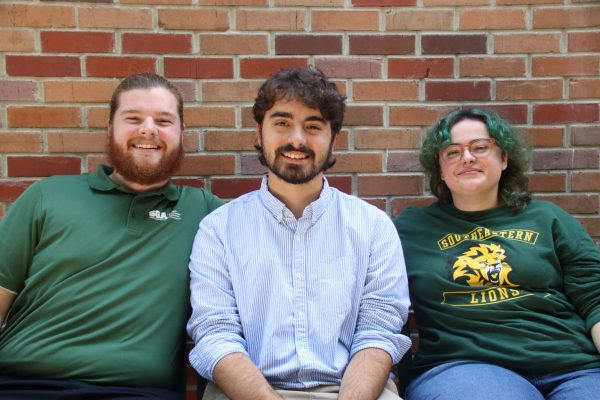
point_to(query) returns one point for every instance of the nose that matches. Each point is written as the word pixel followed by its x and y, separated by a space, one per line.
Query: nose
pixel 298 136
pixel 148 127
pixel 467 157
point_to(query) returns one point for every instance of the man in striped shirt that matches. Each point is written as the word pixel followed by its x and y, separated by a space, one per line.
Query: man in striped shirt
pixel 298 290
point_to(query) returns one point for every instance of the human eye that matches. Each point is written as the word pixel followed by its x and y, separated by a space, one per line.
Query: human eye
pixel 280 122
pixel 314 127
pixel 133 119
pixel 479 147
pixel 451 152
pixel 164 122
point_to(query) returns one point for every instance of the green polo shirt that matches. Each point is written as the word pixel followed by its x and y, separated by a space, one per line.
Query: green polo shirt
pixel 101 276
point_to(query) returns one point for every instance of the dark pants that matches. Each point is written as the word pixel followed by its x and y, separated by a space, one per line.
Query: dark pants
pixel 48 389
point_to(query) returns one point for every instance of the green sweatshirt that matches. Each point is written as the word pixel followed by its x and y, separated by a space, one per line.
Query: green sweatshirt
pixel 517 290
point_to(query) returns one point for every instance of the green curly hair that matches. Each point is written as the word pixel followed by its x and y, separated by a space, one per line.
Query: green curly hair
pixel 514 183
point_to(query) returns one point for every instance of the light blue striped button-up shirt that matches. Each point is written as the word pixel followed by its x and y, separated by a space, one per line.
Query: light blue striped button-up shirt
pixel 299 296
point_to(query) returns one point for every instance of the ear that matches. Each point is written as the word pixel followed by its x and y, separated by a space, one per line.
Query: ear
pixel 258 134
pixel 504 160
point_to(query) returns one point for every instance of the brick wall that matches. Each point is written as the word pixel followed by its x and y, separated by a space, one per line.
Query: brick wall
pixel 401 63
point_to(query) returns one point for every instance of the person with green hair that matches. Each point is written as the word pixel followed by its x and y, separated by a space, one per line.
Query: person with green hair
pixel 505 289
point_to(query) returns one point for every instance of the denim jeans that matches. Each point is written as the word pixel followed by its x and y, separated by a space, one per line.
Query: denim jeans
pixel 472 380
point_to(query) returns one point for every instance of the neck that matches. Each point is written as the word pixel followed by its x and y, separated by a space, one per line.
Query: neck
pixel 134 186
pixel 476 204
pixel 296 197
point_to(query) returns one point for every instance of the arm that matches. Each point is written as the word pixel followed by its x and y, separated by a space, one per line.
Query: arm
pixel 366 375
pixel 6 299
pixel 596 335
pixel 237 376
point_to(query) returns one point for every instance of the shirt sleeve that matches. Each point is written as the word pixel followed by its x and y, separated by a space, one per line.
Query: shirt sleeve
pixel 580 259
pixel 385 301
pixel 215 323
pixel 19 234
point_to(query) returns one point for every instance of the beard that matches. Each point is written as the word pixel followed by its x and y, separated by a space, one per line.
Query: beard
pixel 140 172
pixel 292 173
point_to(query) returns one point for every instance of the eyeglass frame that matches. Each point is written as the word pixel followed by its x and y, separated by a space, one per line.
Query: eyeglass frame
pixel 467 146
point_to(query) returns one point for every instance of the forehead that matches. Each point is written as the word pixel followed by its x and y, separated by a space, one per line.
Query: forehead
pixel 156 99
pixel 468 129
pixel 295 108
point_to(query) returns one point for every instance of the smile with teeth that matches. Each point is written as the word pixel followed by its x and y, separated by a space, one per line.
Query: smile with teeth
pixel 145 146
pixel 295 156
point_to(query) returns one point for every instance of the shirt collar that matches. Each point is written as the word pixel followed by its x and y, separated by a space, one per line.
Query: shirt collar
pixel 101 181
pixel 276 207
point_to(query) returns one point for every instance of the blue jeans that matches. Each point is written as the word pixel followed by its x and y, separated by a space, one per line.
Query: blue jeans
pixel 472 380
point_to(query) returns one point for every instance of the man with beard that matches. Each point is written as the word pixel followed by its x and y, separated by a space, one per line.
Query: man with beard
pixel 298 290
pixel 94 288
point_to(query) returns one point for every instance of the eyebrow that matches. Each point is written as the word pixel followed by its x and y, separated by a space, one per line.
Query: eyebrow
pixel 283 114
pixel 161 113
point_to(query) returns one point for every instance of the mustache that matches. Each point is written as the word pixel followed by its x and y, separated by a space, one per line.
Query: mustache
pixel 301 149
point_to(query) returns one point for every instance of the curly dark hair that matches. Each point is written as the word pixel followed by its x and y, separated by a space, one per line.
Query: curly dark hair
pixel 514 183
pixel 307 85
pixel 144 81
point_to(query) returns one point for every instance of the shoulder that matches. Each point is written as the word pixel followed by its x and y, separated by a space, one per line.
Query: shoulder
pixel 357 208
pixel 240 206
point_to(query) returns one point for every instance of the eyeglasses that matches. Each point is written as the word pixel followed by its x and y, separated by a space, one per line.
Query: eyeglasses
pixel 477 147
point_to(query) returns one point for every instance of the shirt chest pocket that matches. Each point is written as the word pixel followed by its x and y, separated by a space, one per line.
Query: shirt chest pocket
pixel 332 286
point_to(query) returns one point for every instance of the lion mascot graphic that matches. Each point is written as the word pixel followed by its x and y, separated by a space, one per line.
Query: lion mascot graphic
pixel 483 265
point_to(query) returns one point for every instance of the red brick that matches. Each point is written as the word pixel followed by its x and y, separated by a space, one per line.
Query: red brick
pixel 251 165
pixel 270 20
pixel 584 41
pixel 584 89
pixel 492 66
pixel 567 65
pixel 197 183
pixel 585 181
pixel 229 140
pixel 566 17
pixel 343 183
pixel 93 162
pixel 383 3
pixel 530 2
pixel 233 44
pixel 592 225
pixel 21 142
pixel 545 136
pixel 385 90
pixel 248 117
pixel 382 44
pixel 229 188
pixel 325 20
pixel 404 161
pixel 574 203
pixel 90 142
pixel 462 90
pixel 233 2
pixel 565 159
pixel 309 3
pixel 120 67
pixel 17 41
pixel 420 68
pixel 418 20
pixel 379 203
pixel 531 89
pixel 229 91
pixel 115 17
pixel 560 113
pixel 308 44
pixel 363 115
pixel 191 142
pixel 198 68
pixel 209 116
pixel 43 166
pixel 257 67
pixel 416 115
pixel 77 42
pixel 491 19
pixel 36 16
pixel 585 135
pixel 42 66
pixel 527 43
pixel 389 185
pixel 97 117
pixel 12 90
pixel 513 113
pixel 187 90
pixel 398 205
pixel 146 2
pixel 211 164
pixel 544 182
pixel 11 190
pixel 454 44
pixel 357 162
pixel 156 43
pixel 78 91
pixel 387 138
pixel 44 117
pixel 197 20
pixel 350 67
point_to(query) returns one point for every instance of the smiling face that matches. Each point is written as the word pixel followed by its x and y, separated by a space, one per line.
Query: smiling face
pixel 145 138
pixel 296 142
pixel 473 180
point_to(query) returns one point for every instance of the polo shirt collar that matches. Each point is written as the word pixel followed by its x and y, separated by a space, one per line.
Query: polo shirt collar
pixel 101 181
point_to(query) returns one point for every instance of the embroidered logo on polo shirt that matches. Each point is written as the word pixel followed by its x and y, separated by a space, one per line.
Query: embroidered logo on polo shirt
pixel 163 216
